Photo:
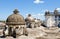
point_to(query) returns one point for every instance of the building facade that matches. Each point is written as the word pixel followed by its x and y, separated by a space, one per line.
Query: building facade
pixel 52 18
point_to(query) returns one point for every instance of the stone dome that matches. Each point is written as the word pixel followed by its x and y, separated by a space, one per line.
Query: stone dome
pixel 29 18
pixel 15 18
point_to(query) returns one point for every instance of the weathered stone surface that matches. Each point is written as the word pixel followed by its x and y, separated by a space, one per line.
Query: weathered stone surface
pixel 40 33
pixel 25 37
pixel 9 37
pixel 35 32
pixel 44 33
pixel 52 33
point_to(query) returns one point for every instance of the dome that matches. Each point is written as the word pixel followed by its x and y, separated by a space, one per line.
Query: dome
pixel 15 18
pixel 29 18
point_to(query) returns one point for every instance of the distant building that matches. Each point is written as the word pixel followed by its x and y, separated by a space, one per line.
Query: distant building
pixel 52 18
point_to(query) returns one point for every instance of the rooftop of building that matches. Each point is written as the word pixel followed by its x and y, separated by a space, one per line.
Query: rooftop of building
pixel 55 12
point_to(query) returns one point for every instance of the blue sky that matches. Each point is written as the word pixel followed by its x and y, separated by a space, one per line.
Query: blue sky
pixel 34 7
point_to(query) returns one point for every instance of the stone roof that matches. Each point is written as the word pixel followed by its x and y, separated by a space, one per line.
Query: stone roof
pixel 29 18
pixel 15 18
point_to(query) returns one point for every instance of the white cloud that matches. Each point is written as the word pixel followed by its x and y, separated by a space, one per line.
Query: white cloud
pixel 57 8
pixel 35 15
pixel 38 1
pixel 26 14
pixel 40 14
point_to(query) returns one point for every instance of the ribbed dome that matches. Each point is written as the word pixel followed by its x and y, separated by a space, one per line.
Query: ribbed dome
pixel 15 18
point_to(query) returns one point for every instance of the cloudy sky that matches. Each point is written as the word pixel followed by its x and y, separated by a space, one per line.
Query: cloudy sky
pixel 34 7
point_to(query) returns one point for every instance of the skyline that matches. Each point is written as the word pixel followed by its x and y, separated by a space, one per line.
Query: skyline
pixel 34 7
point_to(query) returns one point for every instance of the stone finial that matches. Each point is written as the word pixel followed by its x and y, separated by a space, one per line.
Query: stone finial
pixel 29 15
pixel 47 12
pixel 15 11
